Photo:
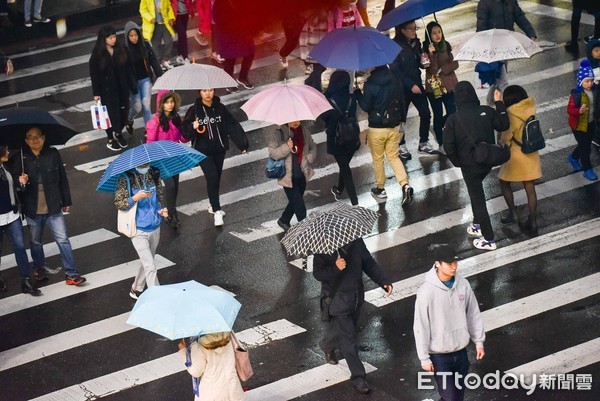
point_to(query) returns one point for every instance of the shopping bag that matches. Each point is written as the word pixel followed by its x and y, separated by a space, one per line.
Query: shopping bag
pixel 126 221
pixel 100 119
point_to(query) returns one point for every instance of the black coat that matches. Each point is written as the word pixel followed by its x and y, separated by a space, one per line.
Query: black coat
pixel 350 294
pixel 472 123
pixel 217 125
pixel 339 97
pixel 379 90
pixel 502 14
pixel 54 178
pixel 407 65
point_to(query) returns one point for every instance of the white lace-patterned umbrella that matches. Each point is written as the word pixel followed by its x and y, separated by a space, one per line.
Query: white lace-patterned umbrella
pixel 326 231
pixel 194 77
pixel 497 45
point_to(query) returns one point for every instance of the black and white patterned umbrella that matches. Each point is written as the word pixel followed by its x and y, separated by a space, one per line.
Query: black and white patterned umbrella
pixel 328 230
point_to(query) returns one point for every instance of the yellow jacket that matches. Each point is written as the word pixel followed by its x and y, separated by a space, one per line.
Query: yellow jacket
pixel 148 13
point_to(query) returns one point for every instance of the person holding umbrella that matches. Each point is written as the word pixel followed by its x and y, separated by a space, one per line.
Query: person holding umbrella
pixel 142 186
pixel 340 274
pixel 112 80
pixel 46 197
pixel 209 125
pixel 210 360
pixel 166 125
pixel 10 222
pixel 296 145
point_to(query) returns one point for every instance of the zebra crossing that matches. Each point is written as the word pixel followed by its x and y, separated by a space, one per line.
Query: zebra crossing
pixel 538 295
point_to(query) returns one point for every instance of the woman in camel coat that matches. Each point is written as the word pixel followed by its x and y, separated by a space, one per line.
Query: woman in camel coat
pixel 521 167
pixel 211 362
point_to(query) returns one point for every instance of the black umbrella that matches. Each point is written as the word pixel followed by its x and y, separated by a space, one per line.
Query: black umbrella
pixel 16 121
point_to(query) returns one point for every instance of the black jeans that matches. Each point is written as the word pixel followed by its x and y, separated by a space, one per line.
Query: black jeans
pixel 342 333
pixel 454 362
pixel 229 64
pixel 212 167
pixel 439 118
pixel 292 27
pixel 473 177
pixel 295 196
pixel 584 147
pixel 171 191
pixel 420 103
pixel 345 180
pixel 181 27
pixel 117 120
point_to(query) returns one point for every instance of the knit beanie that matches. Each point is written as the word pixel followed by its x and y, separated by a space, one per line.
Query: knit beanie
pixel 585 71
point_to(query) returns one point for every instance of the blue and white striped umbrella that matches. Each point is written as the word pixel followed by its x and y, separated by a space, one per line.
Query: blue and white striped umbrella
pixel 170 158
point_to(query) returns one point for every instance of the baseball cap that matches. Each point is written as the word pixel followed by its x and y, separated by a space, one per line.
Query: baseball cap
pixel 445 253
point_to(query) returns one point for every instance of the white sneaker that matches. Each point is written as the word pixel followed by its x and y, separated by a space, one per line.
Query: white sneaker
pixel 210 210
pixel 474 231
pixel 481 243
pixel 219 218
pixel 425 147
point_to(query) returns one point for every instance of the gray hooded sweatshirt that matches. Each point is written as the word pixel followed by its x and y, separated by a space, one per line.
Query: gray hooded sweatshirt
pixel 446 318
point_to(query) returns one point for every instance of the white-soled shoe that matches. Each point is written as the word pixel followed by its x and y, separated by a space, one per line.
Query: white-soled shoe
pixel 483 244
pixel 219 218
pixel 474 231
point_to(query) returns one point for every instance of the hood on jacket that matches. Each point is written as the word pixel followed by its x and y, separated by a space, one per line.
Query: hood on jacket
pixel 339 88
pixel 432 278
pixel 524 109
pixel 129 26
pixel 588 51
pixel 465 95
pixel 381 76
pixel 161 98
pixel 215 340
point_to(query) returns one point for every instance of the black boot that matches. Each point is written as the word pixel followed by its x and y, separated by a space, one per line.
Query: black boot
pixel 28 288
pixel 530 225
pixel 511 217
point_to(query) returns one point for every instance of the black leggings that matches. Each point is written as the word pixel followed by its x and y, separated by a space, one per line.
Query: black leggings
pixel 584 147
pixel 345 180
pixel 295 196
pixel 292 27
pixel 171 191
pixel 212 167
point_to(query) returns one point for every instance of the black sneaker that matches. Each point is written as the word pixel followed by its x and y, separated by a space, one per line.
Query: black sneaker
pixel 42 20
pixel 120 140
pixel 245 84
pixel 233 89
pixel 336 192
pixel 361 385
pixel 379 192
pixel 28 288
pixel 134 294
pixel 284 226
pixel 407 194
pixel 129 127
pixel 113 145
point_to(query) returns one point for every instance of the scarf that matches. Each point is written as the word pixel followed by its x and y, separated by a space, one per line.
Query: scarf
pixel 298 140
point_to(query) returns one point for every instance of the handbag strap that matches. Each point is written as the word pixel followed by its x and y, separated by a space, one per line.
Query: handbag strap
pixel 235 342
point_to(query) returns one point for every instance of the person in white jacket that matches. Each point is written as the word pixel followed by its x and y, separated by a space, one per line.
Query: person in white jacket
pixel 447 316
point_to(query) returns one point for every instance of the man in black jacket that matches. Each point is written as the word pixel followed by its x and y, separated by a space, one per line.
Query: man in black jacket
pixel 45 197
pixel 383 100
pixel 471 124
pixel 343 270
pixel 502 14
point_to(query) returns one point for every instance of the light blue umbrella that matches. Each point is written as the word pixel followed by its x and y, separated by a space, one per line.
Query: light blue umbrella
pixel 355 48
pixel 186 309
pixel 170 158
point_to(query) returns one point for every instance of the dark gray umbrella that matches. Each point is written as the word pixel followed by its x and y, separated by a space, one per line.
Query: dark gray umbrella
pixel 16 121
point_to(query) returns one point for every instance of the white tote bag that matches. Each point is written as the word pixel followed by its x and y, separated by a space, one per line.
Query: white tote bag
pixel 126 221
pixel 100 118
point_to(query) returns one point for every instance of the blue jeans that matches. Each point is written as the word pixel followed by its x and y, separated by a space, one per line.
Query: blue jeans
pixel 57 225
pixel 37 9
pixel 141 101
pixel 454 362
pixel 14 231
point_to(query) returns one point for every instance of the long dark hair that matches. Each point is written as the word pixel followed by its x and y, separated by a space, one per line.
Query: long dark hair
pixel 513 94
pixel 174 116
pixel 443 46
pixel 99 51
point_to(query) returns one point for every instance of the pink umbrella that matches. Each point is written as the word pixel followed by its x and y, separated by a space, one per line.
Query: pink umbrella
pixel 283 103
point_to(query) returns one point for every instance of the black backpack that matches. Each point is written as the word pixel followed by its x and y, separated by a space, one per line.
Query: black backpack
pixel 346 130
pixel 394 113
pixel 533 139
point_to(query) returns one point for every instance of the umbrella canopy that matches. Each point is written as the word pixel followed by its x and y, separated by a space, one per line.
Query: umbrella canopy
pixel 283 103
pixel 16 121
pixel 328 230
pixel 194 77
pixel 355 48
pixel 497 45
pixel 414 9
pixel 184 310
pixel 169 157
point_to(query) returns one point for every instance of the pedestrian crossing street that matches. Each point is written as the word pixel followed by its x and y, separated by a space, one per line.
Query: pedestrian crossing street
pixel 538 295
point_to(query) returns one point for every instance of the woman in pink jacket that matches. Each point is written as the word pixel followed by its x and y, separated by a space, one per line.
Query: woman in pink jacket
pixel 165 126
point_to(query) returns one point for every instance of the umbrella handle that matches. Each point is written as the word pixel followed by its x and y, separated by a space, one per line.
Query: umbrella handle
pixel 203 128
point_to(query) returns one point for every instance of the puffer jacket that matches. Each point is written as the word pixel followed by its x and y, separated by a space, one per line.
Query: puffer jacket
pixel 379 90
pixel 502 14
pixel 472 123
pixel 278 149
pixel 407 65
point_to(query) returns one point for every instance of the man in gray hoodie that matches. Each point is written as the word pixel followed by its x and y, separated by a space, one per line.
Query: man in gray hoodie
pixel 446 317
